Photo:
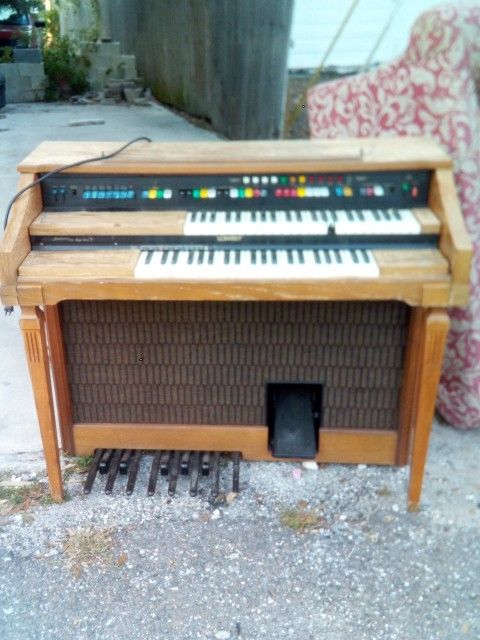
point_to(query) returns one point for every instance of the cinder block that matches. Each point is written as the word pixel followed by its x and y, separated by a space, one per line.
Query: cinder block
pixel 10 71
pixel 109 48
pixel 31 69
pixel 38 84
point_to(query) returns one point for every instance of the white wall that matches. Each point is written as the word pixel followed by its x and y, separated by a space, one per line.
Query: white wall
pixel 315 23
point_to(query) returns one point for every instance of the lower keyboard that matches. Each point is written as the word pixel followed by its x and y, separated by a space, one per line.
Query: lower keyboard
pixel 256 264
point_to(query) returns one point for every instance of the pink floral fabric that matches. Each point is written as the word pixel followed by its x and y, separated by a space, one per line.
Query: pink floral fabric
pixel 433 90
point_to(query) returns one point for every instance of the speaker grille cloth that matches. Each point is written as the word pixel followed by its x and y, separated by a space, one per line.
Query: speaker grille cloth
pixel 209 362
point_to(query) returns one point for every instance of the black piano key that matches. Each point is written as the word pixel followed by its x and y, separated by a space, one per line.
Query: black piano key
pixel 190 257
pixel 396 215
pixel 263 216
pixel 350 216
pixel 164 460
pixel 290 256
pixel 132 472
pixel 288 215
pixel 152 481
pixel 194 470
pixel 328 256
pixel 237 257
pixel 298 215
pixel 226 257
pixel 215 473
pixel 355 257
pixel 365 255
pixel 212 216
pixel 149 257
pixel 301 256
pixel 386 215
pixel 314 216
pixel 253 216
pixel 228 216
pixel 253 257
pixel 164 257
pixel 112 473
pixel 236 472
pixel 274 257
pixel 203 216
pixel 361 216
pixel 193 216
pixel 376 215
pixel 201 257
pixel 92 472
pixel 316 255
pixel 211 255
pixel 125 461
pixel 334 216
pixel 105 461
pixel 324 216
pixel 337 255
pixel 175 257
pixel 273 216
pixel 174 469
pixel 238 216
pixel 263 255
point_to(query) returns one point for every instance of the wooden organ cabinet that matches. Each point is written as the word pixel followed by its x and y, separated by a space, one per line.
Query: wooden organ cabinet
pixel 279 299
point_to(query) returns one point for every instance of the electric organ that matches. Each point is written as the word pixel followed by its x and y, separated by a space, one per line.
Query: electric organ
pixel 283 300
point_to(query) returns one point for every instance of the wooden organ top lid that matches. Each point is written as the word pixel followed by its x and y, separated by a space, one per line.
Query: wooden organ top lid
pixel 230 156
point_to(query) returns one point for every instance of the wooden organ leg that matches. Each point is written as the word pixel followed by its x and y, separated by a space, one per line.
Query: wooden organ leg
pixel 432 343
pixel 60 378
pixel 32 324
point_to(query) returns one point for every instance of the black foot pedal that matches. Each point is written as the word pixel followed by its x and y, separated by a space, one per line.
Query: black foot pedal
pixel 184 462
pixel 194 470
pixel 92 472
pixel 236 472
pixel 206 464
pixel 174 468
pixel 132 472
pixel 216 474
pixel 124 461
pixel 104 465
pixel 152 482
pixel 115 462
pixel 112 473
pixel 164 460
pixel 294 419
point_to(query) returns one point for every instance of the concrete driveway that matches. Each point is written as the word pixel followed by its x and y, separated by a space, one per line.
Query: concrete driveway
pixel 22 128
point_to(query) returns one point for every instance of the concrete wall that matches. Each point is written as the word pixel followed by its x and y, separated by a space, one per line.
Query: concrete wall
pixel 24 81
pixel 220 60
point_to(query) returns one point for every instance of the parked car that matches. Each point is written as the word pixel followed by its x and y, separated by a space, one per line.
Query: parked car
pixel 15 28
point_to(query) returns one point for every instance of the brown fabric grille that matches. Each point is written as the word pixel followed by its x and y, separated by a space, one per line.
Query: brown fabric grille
pixel 209 362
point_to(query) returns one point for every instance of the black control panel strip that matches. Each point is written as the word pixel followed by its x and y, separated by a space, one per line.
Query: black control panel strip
pixel 349 190
pixel 49 243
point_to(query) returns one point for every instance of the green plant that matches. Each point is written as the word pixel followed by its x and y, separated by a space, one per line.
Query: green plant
pixel 6 55
pixel 63 67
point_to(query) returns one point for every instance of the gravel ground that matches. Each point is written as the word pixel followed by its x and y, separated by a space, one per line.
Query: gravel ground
pixel 186 568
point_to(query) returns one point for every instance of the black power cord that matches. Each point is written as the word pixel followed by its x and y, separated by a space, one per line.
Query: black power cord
pixel 64 168
pixel 55 172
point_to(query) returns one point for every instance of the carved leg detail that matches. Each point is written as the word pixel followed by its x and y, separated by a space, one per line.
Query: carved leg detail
pixel 432 344
pixel 33 329
pixel 60 378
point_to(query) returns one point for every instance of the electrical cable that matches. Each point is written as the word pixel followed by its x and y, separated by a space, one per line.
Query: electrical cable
pixel 9 309
pixel 64 168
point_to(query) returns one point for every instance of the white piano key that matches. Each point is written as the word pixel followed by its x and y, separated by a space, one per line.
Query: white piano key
pixel 377 222
pixel 257 264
